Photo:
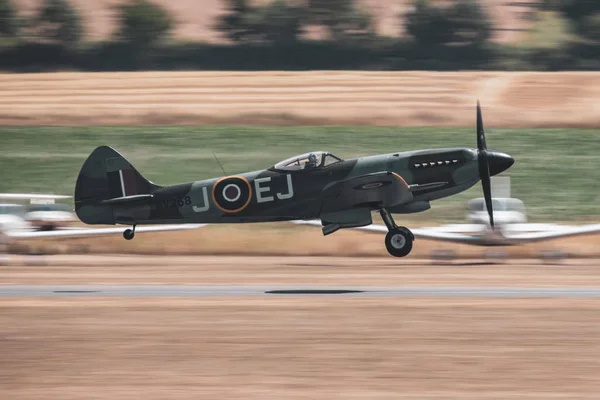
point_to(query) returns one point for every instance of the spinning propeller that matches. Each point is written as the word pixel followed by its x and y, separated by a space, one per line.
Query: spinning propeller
pixel 490 163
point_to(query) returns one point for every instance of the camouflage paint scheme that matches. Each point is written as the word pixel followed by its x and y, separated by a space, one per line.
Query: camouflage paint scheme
pixel 109 190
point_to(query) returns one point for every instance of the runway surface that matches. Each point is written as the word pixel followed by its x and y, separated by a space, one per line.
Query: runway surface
pixel 245 290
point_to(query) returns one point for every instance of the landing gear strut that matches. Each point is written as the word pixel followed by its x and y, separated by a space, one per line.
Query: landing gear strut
pixel 129 233
pixel 399 239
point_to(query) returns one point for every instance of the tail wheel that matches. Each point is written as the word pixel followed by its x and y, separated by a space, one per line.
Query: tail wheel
pixel 128 234
pixel 399 242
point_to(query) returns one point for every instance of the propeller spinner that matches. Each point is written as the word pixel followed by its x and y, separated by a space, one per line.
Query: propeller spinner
pixel 490 163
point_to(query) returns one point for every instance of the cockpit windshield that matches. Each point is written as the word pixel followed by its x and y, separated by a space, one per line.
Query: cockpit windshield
pixel 315 159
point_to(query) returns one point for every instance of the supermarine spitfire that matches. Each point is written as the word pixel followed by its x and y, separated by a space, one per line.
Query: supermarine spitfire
pixel 341 193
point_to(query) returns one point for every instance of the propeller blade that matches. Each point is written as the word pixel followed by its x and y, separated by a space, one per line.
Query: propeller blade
pixel 484 173
pixel 481 145
pixel 484 166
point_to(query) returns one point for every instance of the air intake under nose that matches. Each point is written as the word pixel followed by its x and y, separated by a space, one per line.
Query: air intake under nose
pixel 499 162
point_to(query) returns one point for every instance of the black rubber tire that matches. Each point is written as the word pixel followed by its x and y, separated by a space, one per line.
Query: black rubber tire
pixel 391 242
pixel 128 234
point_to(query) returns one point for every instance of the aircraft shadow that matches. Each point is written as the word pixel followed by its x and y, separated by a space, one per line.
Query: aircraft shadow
pixel 75 291
pixel 314 291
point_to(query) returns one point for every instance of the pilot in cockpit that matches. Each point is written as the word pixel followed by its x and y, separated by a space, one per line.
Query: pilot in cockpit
pixel 312 161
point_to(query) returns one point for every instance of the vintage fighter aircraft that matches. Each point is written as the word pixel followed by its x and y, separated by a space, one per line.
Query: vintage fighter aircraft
pixel 341 193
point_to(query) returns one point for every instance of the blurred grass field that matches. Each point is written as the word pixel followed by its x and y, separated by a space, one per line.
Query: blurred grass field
pixel 556 173
pixel 308 98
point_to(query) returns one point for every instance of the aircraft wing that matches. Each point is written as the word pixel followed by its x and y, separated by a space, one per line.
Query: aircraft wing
pixel 478 235
pixel 458 228
pixel 81 232
pixel 385 188
pixel 530 227
pixel 554 233
pixel 472 236
pixel 471 233
pixel 454 237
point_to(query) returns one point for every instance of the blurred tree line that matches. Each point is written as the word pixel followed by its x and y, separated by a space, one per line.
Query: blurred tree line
pixel 276 34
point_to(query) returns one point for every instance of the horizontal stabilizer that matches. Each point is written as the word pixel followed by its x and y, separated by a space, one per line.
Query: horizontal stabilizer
pixel 128 199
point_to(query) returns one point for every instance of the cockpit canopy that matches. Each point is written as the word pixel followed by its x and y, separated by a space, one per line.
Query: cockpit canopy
pixel 314 159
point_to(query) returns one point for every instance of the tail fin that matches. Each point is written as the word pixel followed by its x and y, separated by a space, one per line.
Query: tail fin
pixel 106 175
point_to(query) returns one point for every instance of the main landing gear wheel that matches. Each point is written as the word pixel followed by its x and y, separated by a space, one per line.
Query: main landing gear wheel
pixel 399 240
pixel 129 233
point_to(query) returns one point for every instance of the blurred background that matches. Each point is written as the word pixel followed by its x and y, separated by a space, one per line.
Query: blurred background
pixel 104 35
pixel 169 83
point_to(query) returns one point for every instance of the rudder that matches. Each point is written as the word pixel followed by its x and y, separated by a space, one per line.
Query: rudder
pixel 105 175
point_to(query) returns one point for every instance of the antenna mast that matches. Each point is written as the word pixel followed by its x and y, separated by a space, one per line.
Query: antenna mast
pixel 218 162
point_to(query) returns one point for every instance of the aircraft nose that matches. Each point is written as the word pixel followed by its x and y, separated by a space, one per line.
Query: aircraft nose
pixel 499 162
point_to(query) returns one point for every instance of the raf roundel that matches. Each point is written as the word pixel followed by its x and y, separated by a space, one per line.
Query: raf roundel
pixel 232 194
pixel 372 185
